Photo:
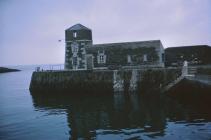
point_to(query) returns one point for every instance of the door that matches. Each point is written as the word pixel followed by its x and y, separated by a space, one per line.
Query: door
pixel 89 59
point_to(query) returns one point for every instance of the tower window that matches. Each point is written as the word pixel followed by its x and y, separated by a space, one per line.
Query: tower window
pixel 75 62
pixel 74 34
pixel 74 47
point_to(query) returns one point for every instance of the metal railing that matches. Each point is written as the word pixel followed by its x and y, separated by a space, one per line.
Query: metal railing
pixel 58 67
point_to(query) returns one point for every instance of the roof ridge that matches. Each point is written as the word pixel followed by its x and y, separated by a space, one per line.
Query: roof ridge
pixel 127 42
pixel 186 46
pixel 78 26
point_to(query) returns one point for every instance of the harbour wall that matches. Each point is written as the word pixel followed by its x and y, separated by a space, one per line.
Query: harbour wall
pixel 102 81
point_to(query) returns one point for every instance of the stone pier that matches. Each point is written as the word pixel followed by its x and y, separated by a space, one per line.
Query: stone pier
pixel 101 81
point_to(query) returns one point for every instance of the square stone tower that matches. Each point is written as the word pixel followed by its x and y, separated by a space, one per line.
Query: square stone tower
pixel 77 38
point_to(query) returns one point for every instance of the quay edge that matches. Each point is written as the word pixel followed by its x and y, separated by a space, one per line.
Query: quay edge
pixel 101 81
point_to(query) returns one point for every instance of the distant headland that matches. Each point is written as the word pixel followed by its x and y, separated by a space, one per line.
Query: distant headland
pixel 3 70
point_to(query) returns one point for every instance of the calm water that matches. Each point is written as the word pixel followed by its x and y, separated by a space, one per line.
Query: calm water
pixel 23 116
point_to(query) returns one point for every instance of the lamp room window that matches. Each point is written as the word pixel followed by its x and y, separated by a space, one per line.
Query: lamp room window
pixel 74 34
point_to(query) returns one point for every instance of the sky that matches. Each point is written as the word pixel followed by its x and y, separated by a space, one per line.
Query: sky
pixel 30 29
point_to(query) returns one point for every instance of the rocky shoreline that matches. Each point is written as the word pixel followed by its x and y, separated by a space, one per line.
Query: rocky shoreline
pixel 4 70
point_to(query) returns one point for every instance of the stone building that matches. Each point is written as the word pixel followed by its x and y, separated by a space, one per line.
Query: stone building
pixel 82 54
pixel 195 55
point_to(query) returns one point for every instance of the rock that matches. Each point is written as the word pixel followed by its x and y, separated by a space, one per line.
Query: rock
pixel 3 70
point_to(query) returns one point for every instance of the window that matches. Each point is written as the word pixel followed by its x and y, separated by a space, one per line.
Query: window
pixel 101 58
pixel 74 47
pixel 129 59
pixel 83 50
pixel 74 34
pixel 75 61
pixel 145 58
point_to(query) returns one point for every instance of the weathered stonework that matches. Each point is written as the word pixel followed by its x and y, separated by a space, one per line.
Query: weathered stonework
pixel 101 81
pixel 77 38
pixel 117 54
pixel 81 54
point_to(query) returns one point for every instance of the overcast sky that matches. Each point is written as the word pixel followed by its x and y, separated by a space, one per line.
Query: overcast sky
pixel 30 29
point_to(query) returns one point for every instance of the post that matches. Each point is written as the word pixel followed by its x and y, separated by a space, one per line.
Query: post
pixel 185 69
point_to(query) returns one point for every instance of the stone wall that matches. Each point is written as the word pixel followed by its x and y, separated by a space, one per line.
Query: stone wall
pixel 153 80
pixel 195 55
pixel 75 54
pixel 81 35
pixel 101 81
pixel 71 82
pixel 118 56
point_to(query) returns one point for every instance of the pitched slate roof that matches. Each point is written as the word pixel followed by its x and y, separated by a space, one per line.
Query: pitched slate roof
pixel 137 44
pixel 78 27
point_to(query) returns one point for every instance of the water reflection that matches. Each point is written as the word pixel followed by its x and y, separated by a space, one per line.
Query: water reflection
pixel 121 116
